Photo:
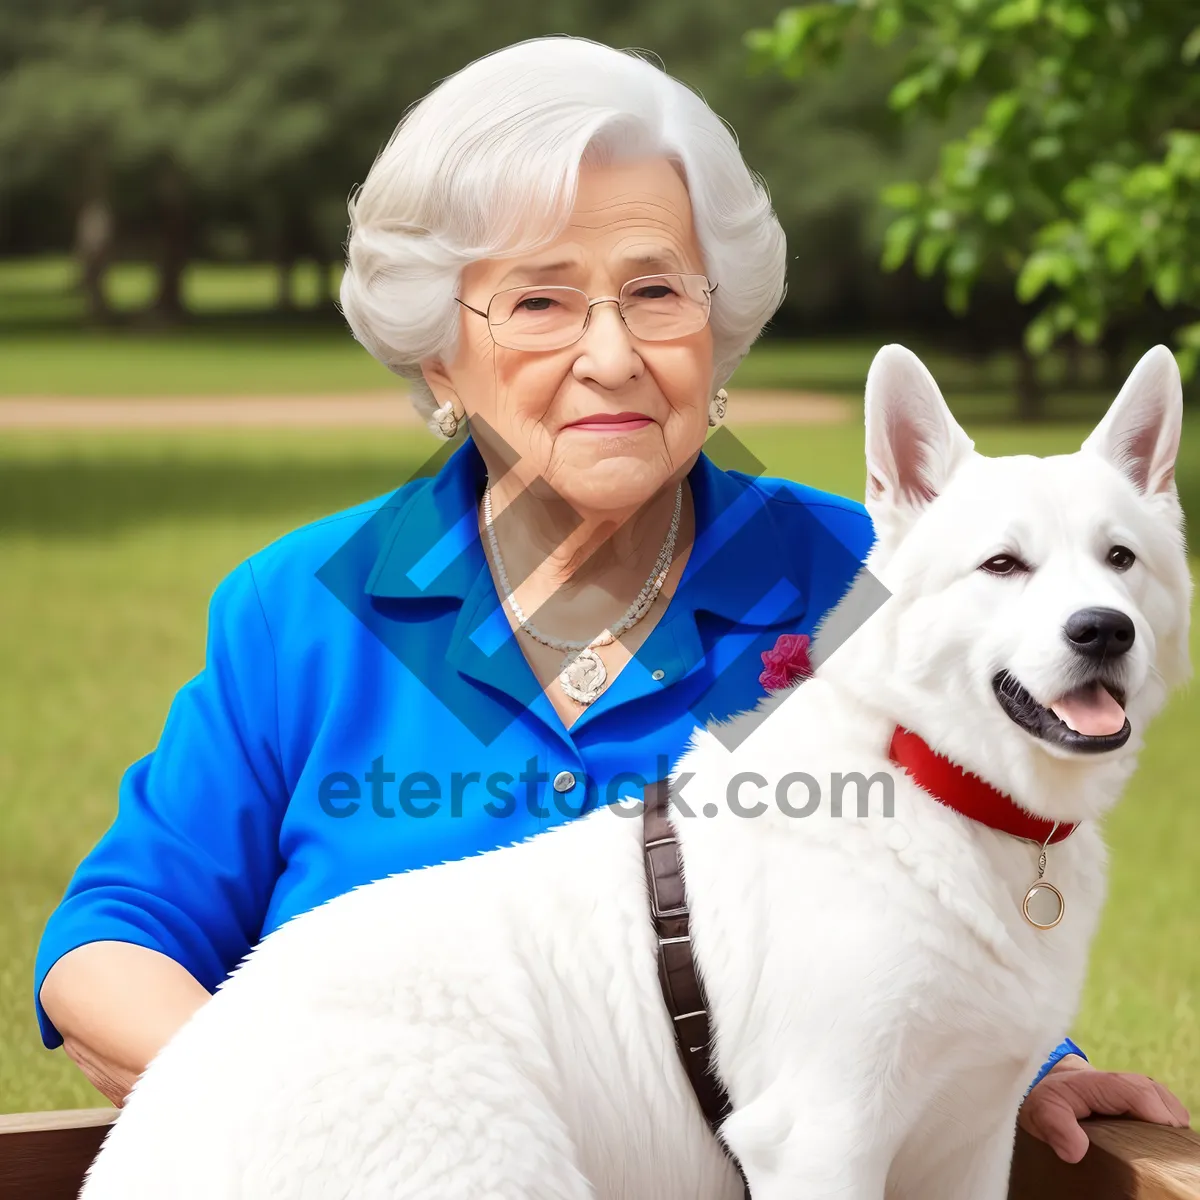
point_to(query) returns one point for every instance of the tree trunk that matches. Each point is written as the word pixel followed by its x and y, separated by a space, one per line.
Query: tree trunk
pixel 285 263
pixel 327 291
pixel 93 247
pixel 288 244
pixel 1031 397
pixel 173 244
pixel 94 234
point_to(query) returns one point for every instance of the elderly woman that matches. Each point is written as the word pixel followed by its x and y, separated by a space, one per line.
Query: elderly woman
pixel 563 250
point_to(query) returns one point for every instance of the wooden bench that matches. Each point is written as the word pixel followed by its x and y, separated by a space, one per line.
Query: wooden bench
pixel 43 1156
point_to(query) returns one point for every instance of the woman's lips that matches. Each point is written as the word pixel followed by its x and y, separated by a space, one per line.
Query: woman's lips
pixel 622 422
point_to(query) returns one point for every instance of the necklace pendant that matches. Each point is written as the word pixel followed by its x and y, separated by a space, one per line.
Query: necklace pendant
pixel 583 676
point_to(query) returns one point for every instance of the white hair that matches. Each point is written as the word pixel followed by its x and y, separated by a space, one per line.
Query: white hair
pixel 486 166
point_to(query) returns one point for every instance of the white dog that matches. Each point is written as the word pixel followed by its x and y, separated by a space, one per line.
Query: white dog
pixel 878 999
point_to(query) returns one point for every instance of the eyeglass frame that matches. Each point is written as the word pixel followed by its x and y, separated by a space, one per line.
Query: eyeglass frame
pixel 709 290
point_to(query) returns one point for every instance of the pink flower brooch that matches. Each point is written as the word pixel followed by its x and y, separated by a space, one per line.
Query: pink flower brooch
pixel 786 662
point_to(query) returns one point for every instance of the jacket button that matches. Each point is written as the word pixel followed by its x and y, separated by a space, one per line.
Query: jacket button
pixel 659 674
pixel 564 781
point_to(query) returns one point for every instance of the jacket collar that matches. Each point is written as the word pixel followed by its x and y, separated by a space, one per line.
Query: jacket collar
pixel 433 549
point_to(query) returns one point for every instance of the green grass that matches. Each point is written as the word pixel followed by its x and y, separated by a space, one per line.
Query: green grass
pixel 235 345
pixel 253 355
pixel 222 360
pixel 111 546
pixel 45 289
pixel 224 357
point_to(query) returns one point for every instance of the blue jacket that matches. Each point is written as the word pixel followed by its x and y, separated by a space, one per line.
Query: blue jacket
pixel 365 709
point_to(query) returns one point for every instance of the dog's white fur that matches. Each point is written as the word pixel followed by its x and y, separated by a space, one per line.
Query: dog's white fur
pixel 493 1028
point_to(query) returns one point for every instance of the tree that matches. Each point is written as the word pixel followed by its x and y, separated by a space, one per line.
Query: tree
pixel 60 110
pixel 1078 175
pixel 169 113
pixel 214 127
pixel 100 100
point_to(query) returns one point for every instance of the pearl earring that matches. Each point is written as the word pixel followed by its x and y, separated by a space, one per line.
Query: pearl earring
pixel 716 407
pixel 446 419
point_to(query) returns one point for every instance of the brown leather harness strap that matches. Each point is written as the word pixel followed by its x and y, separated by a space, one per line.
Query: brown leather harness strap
pixel 681 987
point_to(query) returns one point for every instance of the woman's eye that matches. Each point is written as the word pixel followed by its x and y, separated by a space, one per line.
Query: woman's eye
pixel 655 292
pixel 1003 564
pixel 536 303
pixel 1121 558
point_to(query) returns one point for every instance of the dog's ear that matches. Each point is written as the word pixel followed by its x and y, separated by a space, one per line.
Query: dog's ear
pixel 1139 434
pixel 914 443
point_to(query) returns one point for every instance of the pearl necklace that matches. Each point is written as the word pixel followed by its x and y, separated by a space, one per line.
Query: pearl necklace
pixel 583 675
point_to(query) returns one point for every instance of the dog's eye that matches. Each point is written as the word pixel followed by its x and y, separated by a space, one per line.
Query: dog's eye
pixel 1121 558
pixel 1003 564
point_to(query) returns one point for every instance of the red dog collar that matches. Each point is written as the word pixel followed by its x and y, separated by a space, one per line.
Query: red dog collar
pixel 956 788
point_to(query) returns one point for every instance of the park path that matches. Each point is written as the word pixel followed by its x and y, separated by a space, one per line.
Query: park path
pixel 353 410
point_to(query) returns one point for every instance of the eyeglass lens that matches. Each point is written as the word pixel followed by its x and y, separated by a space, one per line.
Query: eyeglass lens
pixel 655 307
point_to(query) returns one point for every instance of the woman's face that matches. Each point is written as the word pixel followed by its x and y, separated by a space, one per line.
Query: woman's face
pixel 548 407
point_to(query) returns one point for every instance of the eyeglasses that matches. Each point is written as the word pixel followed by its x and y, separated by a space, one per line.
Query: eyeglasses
pixel 655 308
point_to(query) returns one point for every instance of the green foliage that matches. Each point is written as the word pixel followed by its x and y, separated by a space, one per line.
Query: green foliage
pixel 261 115
pixel 1079 174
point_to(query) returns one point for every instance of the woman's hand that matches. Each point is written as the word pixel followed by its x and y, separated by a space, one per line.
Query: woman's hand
pixel 1073 1089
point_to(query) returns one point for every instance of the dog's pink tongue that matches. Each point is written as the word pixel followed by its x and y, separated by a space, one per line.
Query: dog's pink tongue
pixel 1090 710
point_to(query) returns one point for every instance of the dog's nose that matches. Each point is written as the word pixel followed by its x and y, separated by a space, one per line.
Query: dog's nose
pixel 1099 632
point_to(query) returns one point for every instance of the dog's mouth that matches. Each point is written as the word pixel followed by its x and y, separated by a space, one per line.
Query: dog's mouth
pixel 1089 719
